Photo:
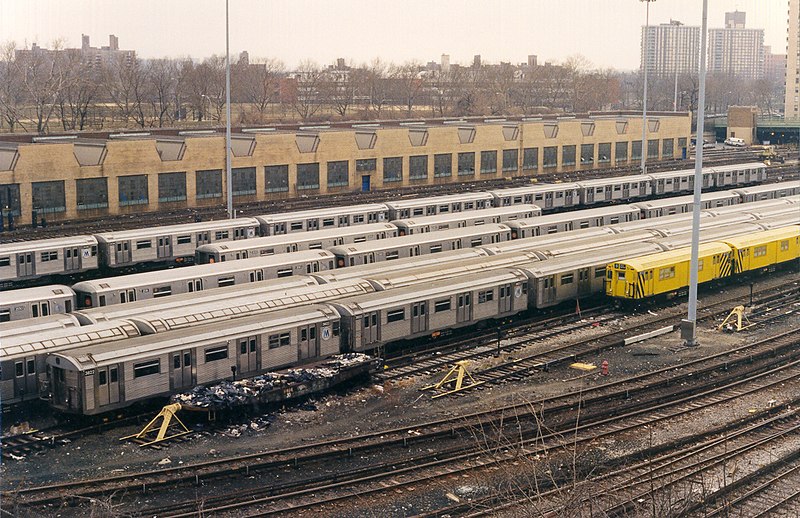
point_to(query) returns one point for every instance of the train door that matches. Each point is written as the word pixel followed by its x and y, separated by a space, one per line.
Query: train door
pixel 548 200
pixel 464 307
pixel 626 191
pixel 40 309
pixel 181 370
pixel 123 252
pixel 25 383
pixel 589 195
pixel 164 247
pixel 419 317
pixel 203 238
pixel 568 195
pixel 607 193
pixel 248 355
pixel 72 259
pixel 126 296
pixel 548 290
pixel 660 186
pixel 584 282
pixel 312 224
pixel 107 388
pixel 308 345
pixel 642 189
pixel 25 267
pixel 257 275
pixel 505 302
pixel 195 285
pixel 369 331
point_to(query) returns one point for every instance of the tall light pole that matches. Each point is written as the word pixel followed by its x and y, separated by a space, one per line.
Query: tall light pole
pixel 644 96
pixel 228 172
pixel 689 326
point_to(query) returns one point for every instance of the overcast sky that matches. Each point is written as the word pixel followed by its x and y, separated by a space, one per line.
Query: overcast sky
pixel 607 32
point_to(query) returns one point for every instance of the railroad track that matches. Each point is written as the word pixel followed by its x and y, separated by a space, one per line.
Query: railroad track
pixel 347 448
pixel 110 223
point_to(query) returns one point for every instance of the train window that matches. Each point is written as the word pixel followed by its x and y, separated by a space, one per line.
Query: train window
pixel 146 368
pixel 614 220
pixel 102 300
pixel 50 256
pixel 304 334
pixel 45 309
pixel 328 222
pixel 600 272
pixel 102 378
pixel 358 218
pixel 441 305
pixel 123 297
pixel 226 281
pixel 392 255
pixel 285 272
pixel 566 279
pixel 31 366
pixel 609 274
pixel 176 361
pixel 700 265
pixel 336 329
pixel 161 291
pixel 221 234
pixel 666 273
pixel 18 369
pixel 144 244
pixel 366 321
pixel 395 315
pixel 584 224
pixel 296 225
pixel 359 239
pixel 436 249
pixel 312 333
pixel 5 261
pixel 784 245
pixel 476 242
pixel 252 345
pixel 216 353
pixel 621 276
pixel 34 310
pixel 243 347
pixel 485 296
pixel 112 372
pixel 184 240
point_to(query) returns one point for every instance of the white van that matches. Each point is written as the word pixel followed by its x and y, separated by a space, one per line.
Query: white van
pixel 733 141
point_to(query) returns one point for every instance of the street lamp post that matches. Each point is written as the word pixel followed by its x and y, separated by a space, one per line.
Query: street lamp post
pixel 689 326
pixel 644 96
pixel 228 172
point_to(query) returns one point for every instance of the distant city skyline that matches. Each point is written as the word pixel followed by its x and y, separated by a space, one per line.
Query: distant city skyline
pixel 606 32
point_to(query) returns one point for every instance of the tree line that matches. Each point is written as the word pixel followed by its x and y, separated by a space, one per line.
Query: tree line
pixel 57 91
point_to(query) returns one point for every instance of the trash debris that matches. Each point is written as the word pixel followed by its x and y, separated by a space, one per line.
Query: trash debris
pixel 229 394
pixel 165 461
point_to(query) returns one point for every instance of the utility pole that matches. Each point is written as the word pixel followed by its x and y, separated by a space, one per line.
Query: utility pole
pixel 228 172
pixel 689 325
pixel 644 96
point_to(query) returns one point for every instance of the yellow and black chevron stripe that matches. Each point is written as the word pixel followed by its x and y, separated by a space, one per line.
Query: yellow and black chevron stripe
pixel 727 265
pixel 638 290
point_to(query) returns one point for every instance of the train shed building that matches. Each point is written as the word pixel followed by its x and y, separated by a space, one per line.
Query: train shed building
pixel 91 175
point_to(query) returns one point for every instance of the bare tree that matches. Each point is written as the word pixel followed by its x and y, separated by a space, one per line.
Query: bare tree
pixel 308 95
pixel 341 87
pixel 80 92
pixel 125 83
pixel 408 83
pixel 377 86
pixel 43 77
pixel 161 90
pixel 11 91
pixel 257 85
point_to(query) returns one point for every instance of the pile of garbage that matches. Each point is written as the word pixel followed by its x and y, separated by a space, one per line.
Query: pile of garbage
pixel 230 394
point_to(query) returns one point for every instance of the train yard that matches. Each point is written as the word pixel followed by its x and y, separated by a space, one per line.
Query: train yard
pixel 575 394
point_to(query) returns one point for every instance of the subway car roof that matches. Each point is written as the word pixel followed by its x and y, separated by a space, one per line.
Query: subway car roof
pixel 39 293
pixel 136 233
pixel 47 244
pixel 321 213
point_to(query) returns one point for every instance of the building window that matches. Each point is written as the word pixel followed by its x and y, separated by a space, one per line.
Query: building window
pixel 604 153
pixel 652 148
pixel 418 167
pixel 146 368
pixel 393 169
pixel 208 184
pixel 681 143
pixel 568 155
pixel 244 181
pixel 338 173
pixel 216 353
pixel 587 154
pixel 48 197
pixel 466 164
pixel 442 165
pixel 550 157
pixel 308 176
pixel 621 152
pixel 9 198
pixel 666 148
pixel 530 159
pixel 488 162
pixel 366 165
pixel 636 150
pixel 171 187
pixel 510 160
pixel 276 178
pixel 92 193
pixel 132 190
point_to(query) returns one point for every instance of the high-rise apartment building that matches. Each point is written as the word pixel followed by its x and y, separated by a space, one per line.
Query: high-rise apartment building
pixel 774 65
pixel 792 100
pixel 736 50
pixel 669 48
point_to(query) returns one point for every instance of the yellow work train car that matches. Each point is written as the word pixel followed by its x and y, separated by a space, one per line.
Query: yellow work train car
pixel 765 249
pixel 666 272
